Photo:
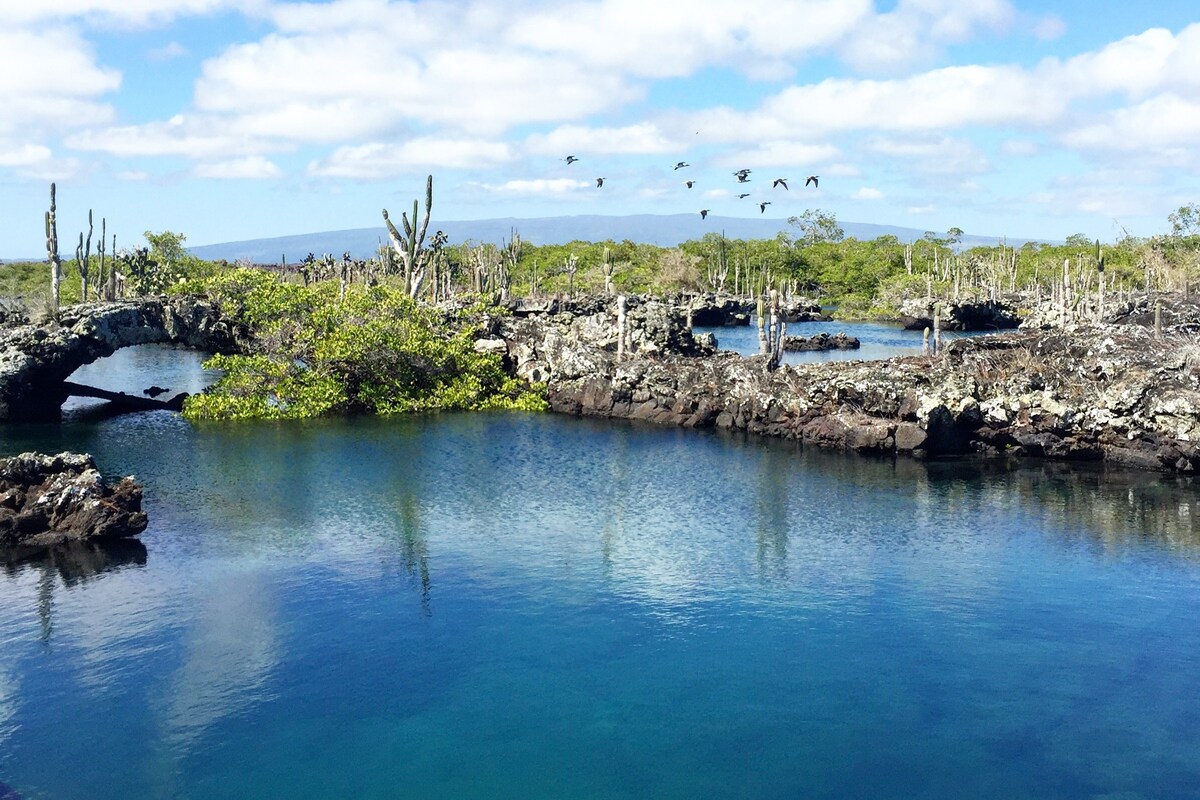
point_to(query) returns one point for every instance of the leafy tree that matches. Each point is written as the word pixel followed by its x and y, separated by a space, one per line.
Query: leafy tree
pixel 1185 220
pixel 375 350
pixel 817 225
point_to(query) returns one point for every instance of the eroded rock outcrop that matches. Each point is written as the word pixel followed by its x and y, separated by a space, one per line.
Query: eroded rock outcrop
pixel 987 315
pixel 36 359
pixel 49 500
pixel 820 342
pixel 1118 395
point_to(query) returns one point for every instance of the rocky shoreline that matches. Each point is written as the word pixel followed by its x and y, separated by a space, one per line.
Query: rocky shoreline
pixel 1110 393
pixel 50 500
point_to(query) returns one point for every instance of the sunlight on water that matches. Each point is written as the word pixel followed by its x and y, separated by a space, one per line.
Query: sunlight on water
pixel 878 340
pixel 535 606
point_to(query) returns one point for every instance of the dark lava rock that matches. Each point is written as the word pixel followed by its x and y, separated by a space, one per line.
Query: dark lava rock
pixel 48 500
pixel 822 341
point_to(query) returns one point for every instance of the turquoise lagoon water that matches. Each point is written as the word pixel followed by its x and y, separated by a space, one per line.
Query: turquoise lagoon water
pixel 532 606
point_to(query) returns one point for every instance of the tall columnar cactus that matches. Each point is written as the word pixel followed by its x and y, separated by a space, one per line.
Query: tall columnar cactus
pixel 571 267
pixel 937 327
pixel 83 259
pixel 1100 283
pixel 52 251
pixel 608 271
pixel 775 334
pixel 409 246
pixel 100 276
pixel 110 291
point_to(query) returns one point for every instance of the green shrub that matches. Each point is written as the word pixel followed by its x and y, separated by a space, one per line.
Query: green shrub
pixel 374 351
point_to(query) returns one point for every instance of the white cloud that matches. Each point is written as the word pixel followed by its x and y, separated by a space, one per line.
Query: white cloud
pixel 133 175
pixel 132 12
pixel 381 160
pixel 867 193
pixel 1049 28
pixel 190 137
pixel 779 153
pixel 251 167
pixel 920 210
pixel 917 29
pixel 641 139
pixel 1163 128
pixel 24 155
pixel 364 83
pixel 538 186
pixel 169 51
pixel 49 81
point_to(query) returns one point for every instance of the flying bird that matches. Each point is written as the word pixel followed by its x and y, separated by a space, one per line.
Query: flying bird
pixel 743 175
pixel 762 207
pixel 599 182
pixel 778 182
pixel 703 213
pixel 814 180
pixel 743 196
pixel 689 184
pixel 682 164
pixel 570 159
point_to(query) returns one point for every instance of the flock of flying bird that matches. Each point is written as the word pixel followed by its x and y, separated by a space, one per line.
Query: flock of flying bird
pixel 742 175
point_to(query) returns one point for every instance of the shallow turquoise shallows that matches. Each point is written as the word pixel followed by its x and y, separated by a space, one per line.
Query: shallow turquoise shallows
pixel 531 606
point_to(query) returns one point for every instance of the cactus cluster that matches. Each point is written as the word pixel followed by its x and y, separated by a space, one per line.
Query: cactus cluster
pixel 409 246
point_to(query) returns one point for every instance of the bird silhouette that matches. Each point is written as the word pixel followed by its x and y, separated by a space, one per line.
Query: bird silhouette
pixel 599 182
pixel 743 196
pixel 154 391
pixel 689 184
pixel 778 182
pixel 743 175
pixel 570 159
pixel 814 180
pixel 703 213
pixel 762 207
pixel 682 164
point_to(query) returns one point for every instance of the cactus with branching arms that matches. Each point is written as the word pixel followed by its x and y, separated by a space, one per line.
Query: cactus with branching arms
pixel 409 245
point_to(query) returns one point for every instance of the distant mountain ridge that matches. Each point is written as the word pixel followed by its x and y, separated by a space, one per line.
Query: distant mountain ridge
pixel 662 230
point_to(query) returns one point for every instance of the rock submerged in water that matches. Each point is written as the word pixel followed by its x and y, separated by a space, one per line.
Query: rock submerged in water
pixel 820 342
pixel 49 500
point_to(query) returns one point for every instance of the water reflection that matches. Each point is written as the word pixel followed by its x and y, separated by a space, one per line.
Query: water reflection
pixel 73 563
pixel 228 657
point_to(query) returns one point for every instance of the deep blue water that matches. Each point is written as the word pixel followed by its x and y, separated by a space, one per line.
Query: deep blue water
pixel 878 340
pixel 532 606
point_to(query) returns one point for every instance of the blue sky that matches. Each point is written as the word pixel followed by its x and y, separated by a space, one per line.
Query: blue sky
pixel 239 119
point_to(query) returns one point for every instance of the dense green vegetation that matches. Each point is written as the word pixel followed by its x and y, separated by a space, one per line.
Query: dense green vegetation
pixel 863 278
pixel 339 336
pixel 373 350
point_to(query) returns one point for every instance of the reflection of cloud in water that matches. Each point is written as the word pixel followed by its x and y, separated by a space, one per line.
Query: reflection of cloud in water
pixel 229 655
pixel 8 702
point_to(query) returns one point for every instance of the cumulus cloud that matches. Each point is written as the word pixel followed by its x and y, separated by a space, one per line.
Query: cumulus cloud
pixel 917 29
pixel 251 167
pixel 129 12
pixel 196 138
pixel 867 193
pixel 50 81
pixel 24 155
pixel 641 139
pixel 380 160
pixel 780 153
pixel 537 186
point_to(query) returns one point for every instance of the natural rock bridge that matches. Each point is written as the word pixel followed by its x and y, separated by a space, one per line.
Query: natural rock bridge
pixel 35 361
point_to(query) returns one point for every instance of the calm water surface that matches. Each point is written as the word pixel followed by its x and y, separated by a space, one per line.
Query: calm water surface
pixel 529 606
pixel 878 340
